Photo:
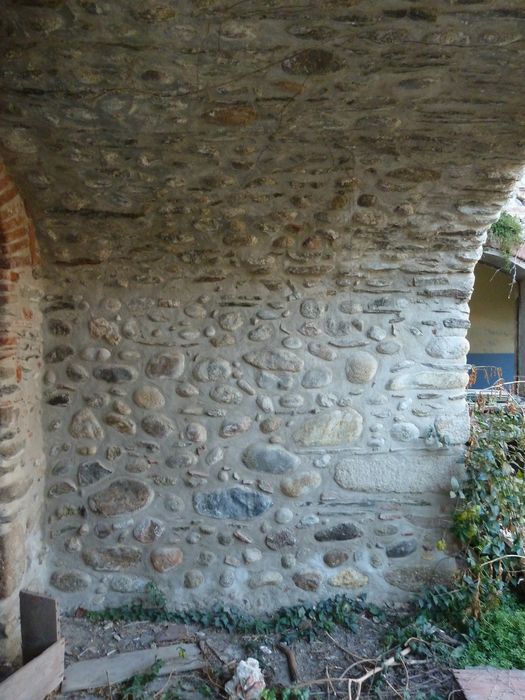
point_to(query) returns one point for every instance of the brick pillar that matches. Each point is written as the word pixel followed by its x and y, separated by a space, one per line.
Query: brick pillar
pixel 21 461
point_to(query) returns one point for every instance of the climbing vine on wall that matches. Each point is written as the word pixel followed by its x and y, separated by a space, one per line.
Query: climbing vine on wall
pixel 489 521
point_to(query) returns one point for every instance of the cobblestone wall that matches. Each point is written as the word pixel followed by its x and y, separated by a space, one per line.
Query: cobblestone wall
pixel 230 439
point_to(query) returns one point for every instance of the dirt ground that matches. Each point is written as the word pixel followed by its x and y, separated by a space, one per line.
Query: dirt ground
pixel 341 653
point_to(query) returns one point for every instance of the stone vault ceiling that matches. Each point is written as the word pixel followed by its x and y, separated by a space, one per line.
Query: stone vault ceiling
pixel 250 128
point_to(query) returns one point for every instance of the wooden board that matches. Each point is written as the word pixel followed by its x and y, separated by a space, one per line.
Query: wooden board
pixel 96 673
pixel 38 678
pixel 491 683
pixel 38 624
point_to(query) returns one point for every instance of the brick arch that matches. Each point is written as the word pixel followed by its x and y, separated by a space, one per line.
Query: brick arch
pixel 19 248
pixel 21 455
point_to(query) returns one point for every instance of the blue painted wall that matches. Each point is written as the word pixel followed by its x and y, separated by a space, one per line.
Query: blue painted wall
pixel 493 335
pixel 492 361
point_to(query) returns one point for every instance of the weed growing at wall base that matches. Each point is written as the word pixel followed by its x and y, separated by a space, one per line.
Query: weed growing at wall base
pixel 289 624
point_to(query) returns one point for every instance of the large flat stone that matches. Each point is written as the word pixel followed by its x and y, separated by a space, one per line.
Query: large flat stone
pixel 330 428
pixel 430 379
pixel 237 503
pixel 121 496
pixel 12 559
pixel 403 471
pixel 114 375
pixel 70 580
pixel 266 457
pixel 111 558
pixel 275 359
pixel 338 533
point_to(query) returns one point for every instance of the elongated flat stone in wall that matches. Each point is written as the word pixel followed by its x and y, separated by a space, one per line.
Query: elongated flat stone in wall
pixel 316 377
pixel 448 348
pixel 123 424
pixel 429 380
pixel 59 398
pixel 238 503
pixel 13 567
pixel 343 531
pixel 230 429
pixel 279 360
pixel 330 428
pixel 59 353
pixel 148 397
pixel 231 115
pixel 77 373
pixel 70 581
pixel 121 496
pixel 323 351
pixel 157 425
pixel 402 549
pixel 265 578
pixel 112 558
pixel 265 457
pixel 349 578
pixel 312 62
pixel 114 375
pixel 308 580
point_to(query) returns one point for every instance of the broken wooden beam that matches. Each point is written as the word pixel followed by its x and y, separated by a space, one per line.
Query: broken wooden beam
pixel 488 683
pixel 39 677
pixel 95 673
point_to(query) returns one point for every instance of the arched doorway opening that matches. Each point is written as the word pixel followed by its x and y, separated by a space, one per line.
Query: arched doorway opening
pixel 497 323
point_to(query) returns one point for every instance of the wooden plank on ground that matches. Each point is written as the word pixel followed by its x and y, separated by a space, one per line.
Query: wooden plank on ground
pixel 38 624
pixel 95 673
pixel 491 683
pixel 38 678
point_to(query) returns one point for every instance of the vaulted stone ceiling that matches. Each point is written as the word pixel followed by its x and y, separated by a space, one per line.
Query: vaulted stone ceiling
pixel 259 130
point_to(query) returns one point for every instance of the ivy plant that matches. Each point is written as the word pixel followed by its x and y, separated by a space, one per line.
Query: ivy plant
pixel 288 623
pixel 488 522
